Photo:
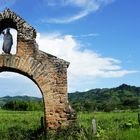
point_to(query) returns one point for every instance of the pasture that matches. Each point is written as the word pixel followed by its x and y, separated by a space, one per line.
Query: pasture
pixel 25 125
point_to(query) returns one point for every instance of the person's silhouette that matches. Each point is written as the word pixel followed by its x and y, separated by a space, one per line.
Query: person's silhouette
pixel 7 41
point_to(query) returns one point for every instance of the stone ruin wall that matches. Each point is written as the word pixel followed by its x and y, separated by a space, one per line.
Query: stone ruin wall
pixel 47 71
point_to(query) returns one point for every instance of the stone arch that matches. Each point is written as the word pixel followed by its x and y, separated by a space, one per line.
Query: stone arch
pixel 14 70
pixel 47 71
pixel 9 18
pixel 26 34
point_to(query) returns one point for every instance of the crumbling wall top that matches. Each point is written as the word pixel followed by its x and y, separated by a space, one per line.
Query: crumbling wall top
pixel 9 18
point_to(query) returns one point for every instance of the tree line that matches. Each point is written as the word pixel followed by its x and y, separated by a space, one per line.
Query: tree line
pixel 120 98
pixel 19 105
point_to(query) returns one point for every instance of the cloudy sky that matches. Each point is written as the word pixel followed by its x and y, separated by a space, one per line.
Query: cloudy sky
pixel 100 39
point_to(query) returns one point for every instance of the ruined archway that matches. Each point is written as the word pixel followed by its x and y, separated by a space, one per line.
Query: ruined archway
pixel 47 71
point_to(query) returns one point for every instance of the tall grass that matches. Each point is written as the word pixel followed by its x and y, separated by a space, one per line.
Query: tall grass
pixel 17 124
pixel 113 126
pixel 25 125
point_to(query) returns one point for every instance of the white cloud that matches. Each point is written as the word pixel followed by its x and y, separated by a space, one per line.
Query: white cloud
pixel 12 84
pixel 86 35
pixel 4 75
pixel 86 7
pixel 80 3
pixel 86 65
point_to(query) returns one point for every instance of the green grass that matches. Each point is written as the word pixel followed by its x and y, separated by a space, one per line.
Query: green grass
pixel 113 126
pixel 25 125
pixel 17 124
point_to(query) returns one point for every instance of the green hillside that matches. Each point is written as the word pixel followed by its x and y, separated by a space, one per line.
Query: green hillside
pixel 4 100
pixel 119 98
pixel 21 103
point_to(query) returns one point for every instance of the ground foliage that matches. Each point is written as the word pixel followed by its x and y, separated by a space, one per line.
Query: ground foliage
pixel 25 125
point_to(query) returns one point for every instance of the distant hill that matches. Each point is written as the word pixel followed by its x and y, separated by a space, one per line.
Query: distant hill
pixel 122 97
pixel 106 99
pixel 4 100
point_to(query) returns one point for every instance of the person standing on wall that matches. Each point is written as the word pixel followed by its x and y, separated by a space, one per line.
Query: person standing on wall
pixel 7 41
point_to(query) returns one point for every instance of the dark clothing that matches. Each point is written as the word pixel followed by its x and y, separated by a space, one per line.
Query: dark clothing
pixel 7 43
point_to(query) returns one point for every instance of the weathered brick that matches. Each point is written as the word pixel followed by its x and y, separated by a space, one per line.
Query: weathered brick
pixel 46 70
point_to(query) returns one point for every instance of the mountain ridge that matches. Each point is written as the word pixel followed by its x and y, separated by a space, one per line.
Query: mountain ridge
pixel 106 99
pixel 5 99
pixel 99 99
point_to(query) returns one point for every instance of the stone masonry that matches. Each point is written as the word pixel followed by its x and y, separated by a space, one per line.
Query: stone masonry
pixel 48 72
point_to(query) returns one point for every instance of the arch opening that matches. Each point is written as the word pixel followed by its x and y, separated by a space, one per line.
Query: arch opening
pixel 15 84
pixel 7 23
pixel 19 109
pixel 13 70
pixel 17 71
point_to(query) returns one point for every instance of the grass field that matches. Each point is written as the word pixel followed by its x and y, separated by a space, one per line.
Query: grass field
pixel 18 125
pixel 25 125
pixel 113 126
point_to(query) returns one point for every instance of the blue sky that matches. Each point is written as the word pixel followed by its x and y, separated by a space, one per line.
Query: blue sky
pixel 100 38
